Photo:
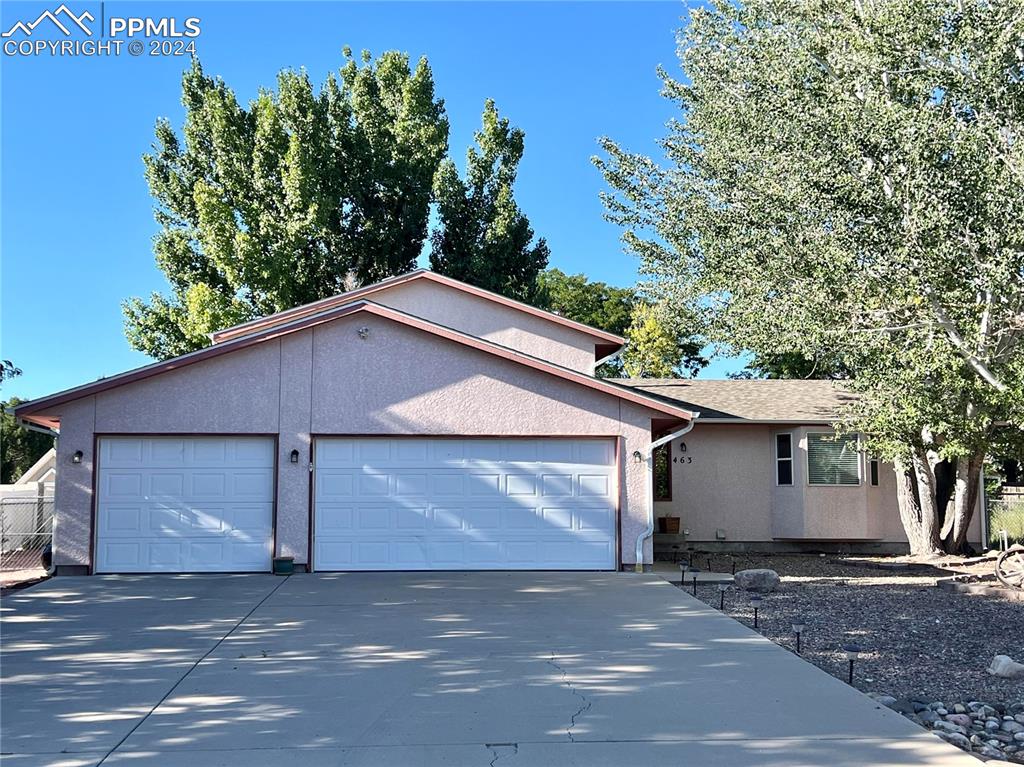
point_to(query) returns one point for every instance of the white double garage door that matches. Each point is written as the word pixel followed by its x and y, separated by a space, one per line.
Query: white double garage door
pixel 195 504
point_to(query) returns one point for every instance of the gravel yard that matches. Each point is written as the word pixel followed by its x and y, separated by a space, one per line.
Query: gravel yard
pixel 918 642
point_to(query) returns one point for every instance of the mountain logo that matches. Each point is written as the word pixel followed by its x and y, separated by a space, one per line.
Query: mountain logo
pixel 63 12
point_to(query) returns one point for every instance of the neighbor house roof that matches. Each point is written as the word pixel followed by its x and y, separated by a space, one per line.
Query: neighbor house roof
pixel 608 342
pixel 39 410
pixel 764 401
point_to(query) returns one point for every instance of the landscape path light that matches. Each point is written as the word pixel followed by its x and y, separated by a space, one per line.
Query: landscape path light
pixel 852 653
pixel 683 567
pixel 696 572
pixel 798 629
pixel 722 588
pixel 755 602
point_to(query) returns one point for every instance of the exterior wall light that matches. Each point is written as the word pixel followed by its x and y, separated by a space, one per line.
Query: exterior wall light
pixel 295 456
pixel 77 456
pixel 638 457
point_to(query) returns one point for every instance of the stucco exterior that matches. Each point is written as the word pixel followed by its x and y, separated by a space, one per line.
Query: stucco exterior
pixel 724 490
pixel 502 324
pixel 361 375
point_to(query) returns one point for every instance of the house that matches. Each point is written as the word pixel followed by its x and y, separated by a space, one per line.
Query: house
pixel 764 470
pixel 418 423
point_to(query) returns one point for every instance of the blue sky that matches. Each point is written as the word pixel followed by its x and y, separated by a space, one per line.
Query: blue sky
pixel 77 219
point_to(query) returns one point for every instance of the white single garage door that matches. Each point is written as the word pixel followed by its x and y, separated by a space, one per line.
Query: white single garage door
pixel 185 504
pixel 464 504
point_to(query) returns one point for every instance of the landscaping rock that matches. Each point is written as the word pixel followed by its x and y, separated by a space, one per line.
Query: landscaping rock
pixel 1004 667
pixel 943 726
pixel 1012 727
pixel 961 719
pixel 760 580
pixel 958 740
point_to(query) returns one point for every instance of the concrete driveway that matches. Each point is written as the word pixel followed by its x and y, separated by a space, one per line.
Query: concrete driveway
pixel 419 669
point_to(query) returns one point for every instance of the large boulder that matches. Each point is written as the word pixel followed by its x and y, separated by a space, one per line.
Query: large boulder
pixel 761 580
pixel 1003 666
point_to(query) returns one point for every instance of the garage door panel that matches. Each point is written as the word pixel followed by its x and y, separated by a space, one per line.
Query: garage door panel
pixel 185 504
pixel 464 504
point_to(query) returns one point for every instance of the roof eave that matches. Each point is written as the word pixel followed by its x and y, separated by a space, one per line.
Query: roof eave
pixel 28 410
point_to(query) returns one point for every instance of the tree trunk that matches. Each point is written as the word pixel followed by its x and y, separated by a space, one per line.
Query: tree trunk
pixel 919 519
pixel 965 497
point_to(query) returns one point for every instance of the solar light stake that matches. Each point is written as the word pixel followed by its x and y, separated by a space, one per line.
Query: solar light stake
pixel 722 588
pixel 852 653
pixel 798 629
pixel 755 602
pixel 683 567
pixel 695 572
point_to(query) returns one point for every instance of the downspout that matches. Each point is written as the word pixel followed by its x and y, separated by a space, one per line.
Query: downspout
pixel 649 489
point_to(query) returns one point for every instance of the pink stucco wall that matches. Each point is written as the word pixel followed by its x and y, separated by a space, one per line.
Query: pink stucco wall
pixel 726 481
pixel 328 380
pixel 483 318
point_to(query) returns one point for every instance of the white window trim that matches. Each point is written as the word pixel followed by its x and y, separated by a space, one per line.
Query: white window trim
pixel 807 461
pixel 792 463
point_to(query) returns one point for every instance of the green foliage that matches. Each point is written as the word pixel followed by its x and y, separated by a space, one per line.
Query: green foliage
pixel 8 371
pixel 846 184
pixel 793 365
pixel 658 347
pixel 19 447
pixel 655 343
pixel 593 303
pixel 483 237
pixel 267 207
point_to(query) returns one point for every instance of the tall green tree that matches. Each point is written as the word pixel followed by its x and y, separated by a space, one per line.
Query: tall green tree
pixel 592 303
pixel 20 448
pixel 657 346
pixel 272 205
pixel 483 238
pixel 850 177
pixel 794 365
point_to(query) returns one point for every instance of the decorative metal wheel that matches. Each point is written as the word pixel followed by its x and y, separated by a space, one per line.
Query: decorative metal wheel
pixel 1010 567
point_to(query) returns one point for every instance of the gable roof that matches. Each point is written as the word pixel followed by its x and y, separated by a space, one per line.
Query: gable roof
pixel 34 411
pixel 604 338
pixel 762 401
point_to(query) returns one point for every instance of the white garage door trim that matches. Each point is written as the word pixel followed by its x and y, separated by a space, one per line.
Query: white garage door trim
pixel 458 503
pixel 188 503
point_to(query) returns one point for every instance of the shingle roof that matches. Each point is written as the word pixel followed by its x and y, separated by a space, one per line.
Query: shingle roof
pixel 790 401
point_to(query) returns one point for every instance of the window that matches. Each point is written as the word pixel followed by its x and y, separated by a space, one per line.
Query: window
pixel 833 460
pixel 784 459
pixel 873 472
pixel 663 473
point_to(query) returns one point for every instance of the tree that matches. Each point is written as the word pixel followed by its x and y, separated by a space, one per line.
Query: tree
pixel 657 347
pixel 8 370
pixel 794 365
pixel 848 177
pixel 267 207
pixel 592 303
pixel 20 448
pixel 651 347
pixel 483 238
